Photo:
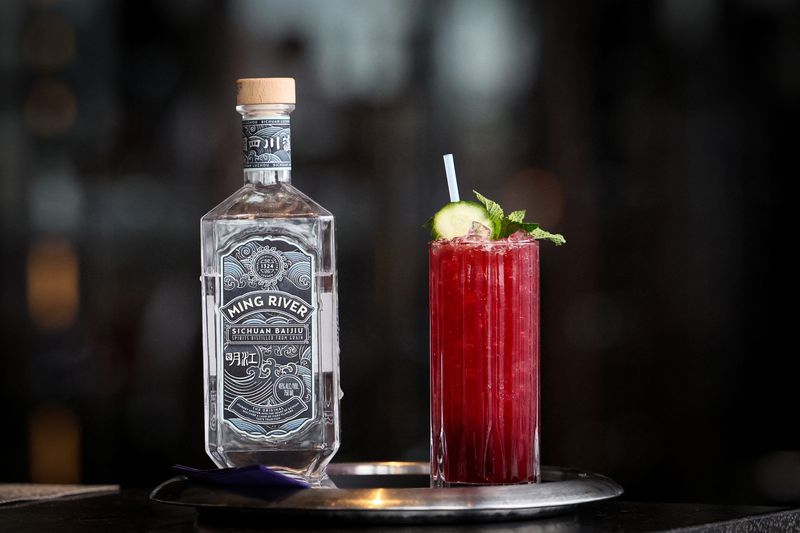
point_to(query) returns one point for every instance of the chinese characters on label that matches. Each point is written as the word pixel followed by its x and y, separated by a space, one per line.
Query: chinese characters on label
pixel 267 312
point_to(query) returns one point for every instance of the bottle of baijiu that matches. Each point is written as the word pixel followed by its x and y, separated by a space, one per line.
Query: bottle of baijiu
pixel 270 332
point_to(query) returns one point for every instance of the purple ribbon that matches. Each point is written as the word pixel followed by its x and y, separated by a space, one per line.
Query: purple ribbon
pixel 248 476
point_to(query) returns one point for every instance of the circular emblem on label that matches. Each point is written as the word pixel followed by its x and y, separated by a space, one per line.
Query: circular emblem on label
pixel 268 265
pixel 289 386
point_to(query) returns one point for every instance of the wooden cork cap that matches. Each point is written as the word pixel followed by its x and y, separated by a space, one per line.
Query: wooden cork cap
pixel 265 91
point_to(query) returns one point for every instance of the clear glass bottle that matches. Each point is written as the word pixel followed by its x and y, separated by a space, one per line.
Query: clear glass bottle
pixel 270 325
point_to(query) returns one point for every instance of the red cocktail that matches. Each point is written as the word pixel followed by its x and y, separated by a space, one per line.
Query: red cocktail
pixel 484 312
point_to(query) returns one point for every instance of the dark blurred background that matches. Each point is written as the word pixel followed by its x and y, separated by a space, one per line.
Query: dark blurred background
pixel 659 137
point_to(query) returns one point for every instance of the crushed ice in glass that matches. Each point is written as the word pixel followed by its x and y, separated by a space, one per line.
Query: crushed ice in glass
pixel 479 232
pixel 520 236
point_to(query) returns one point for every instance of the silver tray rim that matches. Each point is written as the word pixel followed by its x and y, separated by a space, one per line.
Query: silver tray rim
pixel 562 490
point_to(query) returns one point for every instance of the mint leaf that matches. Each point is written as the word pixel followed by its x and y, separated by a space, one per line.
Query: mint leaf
pixel 513 227
pixel 491 206
pixel 513 223
pixel 428 225
pixel 495 214
pixel 517 216
pixel 504 226
pixel 555 238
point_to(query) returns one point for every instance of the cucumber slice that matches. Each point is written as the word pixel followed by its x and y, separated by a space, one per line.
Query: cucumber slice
pixel 456 218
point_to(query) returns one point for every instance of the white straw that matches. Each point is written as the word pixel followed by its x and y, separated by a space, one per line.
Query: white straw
pixel 450 169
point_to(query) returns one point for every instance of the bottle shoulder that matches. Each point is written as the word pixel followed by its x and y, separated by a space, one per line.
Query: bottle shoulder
pixel 278 200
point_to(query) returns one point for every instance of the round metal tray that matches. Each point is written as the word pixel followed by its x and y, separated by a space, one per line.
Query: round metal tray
pixel 396 492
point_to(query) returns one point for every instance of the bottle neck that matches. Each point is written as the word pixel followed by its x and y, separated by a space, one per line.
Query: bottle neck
pixel 266 143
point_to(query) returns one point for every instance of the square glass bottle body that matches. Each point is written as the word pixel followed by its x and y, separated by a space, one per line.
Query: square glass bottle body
pixel 271 365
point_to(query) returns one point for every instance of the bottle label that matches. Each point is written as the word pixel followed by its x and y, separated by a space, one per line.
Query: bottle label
pixel 268 333
pixel 267 143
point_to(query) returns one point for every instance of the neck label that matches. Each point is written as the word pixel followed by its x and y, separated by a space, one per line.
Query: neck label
pixel 266 143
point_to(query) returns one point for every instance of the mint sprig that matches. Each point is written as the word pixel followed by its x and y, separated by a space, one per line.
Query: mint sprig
pixel 504 226
pixel 517 216
pixel 495 214
pixel 542 235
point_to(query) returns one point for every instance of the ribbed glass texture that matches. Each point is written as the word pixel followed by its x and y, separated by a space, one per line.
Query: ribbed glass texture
pixel 484 358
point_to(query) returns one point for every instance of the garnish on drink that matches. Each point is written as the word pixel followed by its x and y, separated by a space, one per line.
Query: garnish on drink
pixel 463 218
pixel 484 319
pixel 485 217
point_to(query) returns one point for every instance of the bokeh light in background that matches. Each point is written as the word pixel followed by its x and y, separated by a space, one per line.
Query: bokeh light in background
pixel 52 294
pixel 54 434
pixel 655 136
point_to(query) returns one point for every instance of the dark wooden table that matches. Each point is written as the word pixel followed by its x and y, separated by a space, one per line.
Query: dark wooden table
pixel 130 510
